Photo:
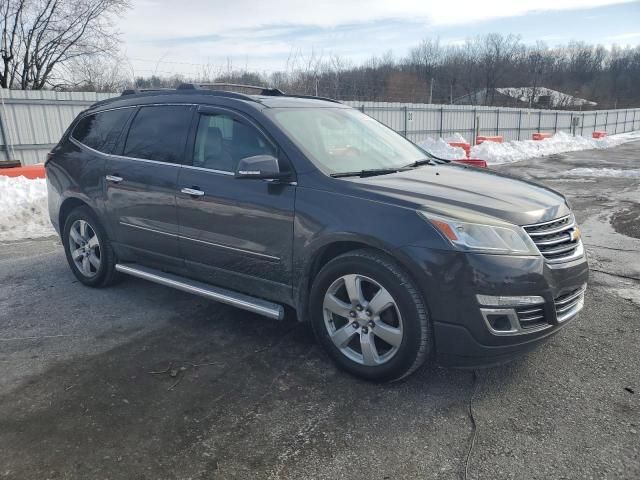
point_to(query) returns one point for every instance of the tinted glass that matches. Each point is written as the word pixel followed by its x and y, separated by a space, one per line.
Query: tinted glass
pixel 101 130
pixel 345 140
pixel 159 133
pixel 222 141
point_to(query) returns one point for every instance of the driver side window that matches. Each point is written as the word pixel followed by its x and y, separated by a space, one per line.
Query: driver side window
pixel 221 141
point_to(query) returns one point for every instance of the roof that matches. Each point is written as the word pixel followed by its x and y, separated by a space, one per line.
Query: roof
pixel 524 94
pixel 532 96
pixel 268 98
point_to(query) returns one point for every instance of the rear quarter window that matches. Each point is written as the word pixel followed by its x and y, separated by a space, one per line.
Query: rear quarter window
pixel 101 130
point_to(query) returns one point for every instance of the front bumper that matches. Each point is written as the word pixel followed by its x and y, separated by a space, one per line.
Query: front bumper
pixel 451 281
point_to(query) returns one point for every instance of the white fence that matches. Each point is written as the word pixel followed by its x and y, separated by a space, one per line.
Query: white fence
pixel 31 122
pixel 418 120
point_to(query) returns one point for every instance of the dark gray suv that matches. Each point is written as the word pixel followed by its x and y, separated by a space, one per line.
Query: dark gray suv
pixel 272 200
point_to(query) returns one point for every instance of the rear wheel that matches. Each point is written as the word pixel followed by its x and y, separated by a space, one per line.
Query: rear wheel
pixel 368 315
pixel 88 249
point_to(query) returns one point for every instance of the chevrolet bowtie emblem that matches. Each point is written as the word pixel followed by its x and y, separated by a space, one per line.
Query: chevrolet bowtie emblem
pixel 575 234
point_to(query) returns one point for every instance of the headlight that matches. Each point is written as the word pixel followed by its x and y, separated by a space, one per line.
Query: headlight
pixel 475 237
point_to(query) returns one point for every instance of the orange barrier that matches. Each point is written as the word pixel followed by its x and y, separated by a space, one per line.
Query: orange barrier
pixel 474 162
pixel 485 138
pixel 463 145
pixel 30 171
pixel 541 135
pixel 598 134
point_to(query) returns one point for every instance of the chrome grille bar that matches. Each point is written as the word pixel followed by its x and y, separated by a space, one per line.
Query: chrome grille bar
pixel 556 239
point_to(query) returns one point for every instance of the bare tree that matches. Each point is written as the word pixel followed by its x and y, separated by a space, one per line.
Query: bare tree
pixel 41 35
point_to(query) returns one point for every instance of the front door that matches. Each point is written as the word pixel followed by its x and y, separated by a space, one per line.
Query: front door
pixel 236 233
pixel 141 184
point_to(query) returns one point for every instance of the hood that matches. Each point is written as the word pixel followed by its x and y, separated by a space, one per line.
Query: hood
pixel 460 191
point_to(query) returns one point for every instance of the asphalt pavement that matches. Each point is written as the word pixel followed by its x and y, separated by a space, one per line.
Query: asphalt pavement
pixel 139 381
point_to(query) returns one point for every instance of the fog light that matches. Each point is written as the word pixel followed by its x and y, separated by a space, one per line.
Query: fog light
pixel 498 322
pixel 501 321
pixel 501 301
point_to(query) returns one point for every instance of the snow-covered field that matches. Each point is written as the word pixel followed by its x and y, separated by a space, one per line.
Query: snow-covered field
pixel 515 151
pixel 23 209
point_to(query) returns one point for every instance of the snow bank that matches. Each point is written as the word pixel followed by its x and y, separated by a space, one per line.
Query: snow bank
pixel 508 152
pixel 604 172
pixel 441 149
pixel 23 209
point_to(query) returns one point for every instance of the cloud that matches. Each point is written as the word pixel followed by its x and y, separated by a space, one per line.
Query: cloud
pixel 153 19
pixel 166 37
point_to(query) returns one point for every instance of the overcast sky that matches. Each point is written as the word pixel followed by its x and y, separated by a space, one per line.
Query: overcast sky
pixel 173 36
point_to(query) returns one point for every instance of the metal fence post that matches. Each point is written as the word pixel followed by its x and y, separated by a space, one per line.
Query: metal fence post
pixel 606 121
pixel 519 123
pixel 441 120
pixel 539 120
pixel 5 137
pixel 582 127
pixel 405 121
pixel 572 127
pixel 595 122
pixel 555 125
pixel 615 129
pixel 362 108
pixel 497 121
pixel 474 134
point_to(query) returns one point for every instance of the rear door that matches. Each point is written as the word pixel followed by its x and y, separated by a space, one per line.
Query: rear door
pixel 141 184
pixel 236 233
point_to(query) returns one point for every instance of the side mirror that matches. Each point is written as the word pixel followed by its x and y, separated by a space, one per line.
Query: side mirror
pixel 259 166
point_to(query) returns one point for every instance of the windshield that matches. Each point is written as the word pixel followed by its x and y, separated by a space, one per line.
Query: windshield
pixel 340 140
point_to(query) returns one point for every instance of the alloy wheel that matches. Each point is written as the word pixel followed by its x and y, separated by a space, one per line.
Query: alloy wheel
pixel 362 319
pixel 85 248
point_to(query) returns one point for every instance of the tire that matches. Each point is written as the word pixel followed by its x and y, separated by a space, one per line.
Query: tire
pixel 88 249
pixel 388 335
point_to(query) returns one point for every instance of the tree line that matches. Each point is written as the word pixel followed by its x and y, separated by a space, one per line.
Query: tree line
pixel 435 73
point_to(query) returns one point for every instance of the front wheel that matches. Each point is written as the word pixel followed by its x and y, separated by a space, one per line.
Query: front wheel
pixel 368 315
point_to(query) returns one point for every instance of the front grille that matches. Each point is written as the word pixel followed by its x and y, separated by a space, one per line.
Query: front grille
pixel 568 304
pixel 531 316
pixel 557 240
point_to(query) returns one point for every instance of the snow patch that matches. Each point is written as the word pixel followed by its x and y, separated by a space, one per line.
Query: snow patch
pixel 441 149
pixel 515 151
pixel 456 137
pixel 604 172
pixel 24 212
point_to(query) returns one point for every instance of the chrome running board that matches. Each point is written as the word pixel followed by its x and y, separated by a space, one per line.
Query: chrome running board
pixel 240 300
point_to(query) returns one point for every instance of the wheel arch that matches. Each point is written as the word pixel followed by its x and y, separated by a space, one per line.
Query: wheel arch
pixel 330 249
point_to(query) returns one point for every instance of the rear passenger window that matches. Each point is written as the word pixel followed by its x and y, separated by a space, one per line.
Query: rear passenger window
pixel 221 141
pixel 100 131
pixel 159 133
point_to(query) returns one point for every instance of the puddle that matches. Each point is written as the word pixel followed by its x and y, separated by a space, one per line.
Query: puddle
pixel 627 222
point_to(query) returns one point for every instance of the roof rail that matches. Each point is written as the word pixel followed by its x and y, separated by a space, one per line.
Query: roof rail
pixel 315 97
pixel 133 91
pixel 263 90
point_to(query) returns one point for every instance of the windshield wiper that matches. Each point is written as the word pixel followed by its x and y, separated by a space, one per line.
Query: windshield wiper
pixel 419 163
pixel 372 172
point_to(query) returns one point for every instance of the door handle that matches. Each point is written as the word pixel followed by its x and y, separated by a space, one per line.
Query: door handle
pixel 113 178
pixel 193 192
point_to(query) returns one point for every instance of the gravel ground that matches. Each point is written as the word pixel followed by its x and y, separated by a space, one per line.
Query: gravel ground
pixel 142 382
